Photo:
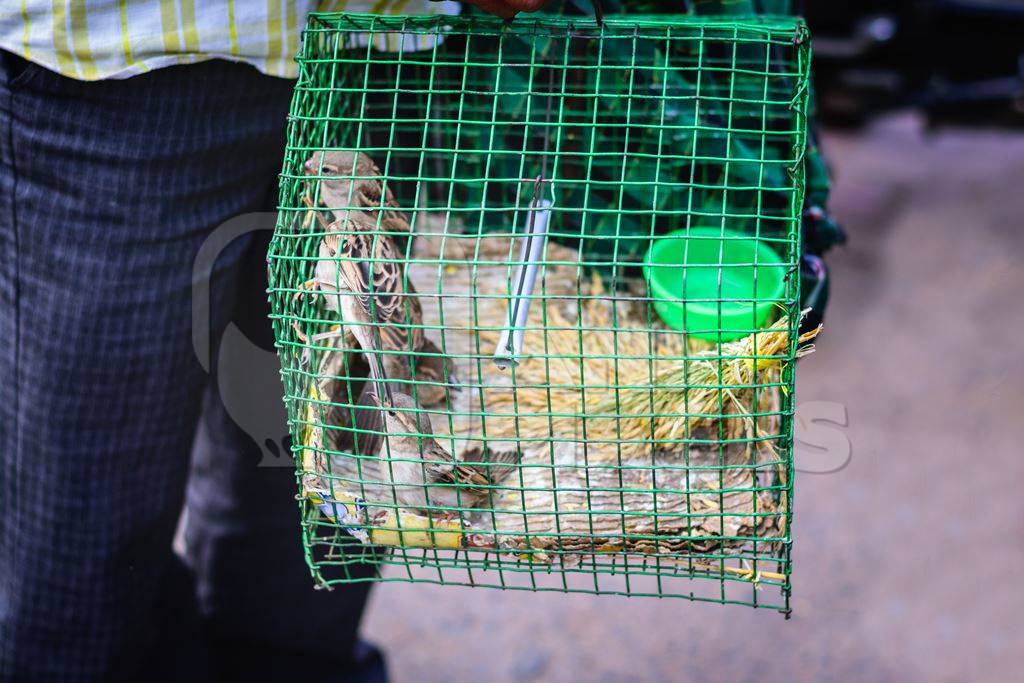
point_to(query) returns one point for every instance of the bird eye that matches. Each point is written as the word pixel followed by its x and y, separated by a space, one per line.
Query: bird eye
pixel 330 170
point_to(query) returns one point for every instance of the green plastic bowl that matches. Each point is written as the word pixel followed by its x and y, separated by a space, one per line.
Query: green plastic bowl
pixel 683 270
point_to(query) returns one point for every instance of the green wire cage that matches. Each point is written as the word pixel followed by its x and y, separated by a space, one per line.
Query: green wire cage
pixel 535 290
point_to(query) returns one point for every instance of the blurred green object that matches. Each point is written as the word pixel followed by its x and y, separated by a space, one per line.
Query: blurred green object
pixel 716 284
pixel 820 231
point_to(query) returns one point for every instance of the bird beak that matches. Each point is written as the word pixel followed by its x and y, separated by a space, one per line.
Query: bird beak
pixel 310 167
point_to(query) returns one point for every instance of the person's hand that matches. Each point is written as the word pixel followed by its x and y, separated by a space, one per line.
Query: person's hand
pixel 506 9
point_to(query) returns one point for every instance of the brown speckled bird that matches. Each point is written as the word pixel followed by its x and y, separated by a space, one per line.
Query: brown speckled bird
pixel 424 474
pixel 345 181
pixel 362 277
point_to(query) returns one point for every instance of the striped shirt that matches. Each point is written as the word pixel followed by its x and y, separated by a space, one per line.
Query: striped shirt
pixel 96 39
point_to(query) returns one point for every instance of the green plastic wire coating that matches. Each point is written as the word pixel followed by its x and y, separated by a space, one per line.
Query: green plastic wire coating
pixel 653 463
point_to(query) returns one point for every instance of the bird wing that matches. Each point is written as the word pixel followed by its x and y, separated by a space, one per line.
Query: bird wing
pixel 338 375
pixel 366 435
pixel 380 288
pixel 431 367
pixel 327 267
pixel 394 222
pixel 494 466
pixel 481 468
pixel 371 195
pixel 370 188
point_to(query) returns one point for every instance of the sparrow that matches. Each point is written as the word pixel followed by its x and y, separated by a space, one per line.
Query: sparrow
pixel 339 427
pixel 362 276
pixel 424 474
pixel 351 180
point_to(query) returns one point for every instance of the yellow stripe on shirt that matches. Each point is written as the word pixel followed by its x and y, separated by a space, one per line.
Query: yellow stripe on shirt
pixel 80 41
pixel 126 43
pixel 169 27
pixel 26 52
pixel 232 27
pixel 274 27
pixel 188 22
pixel 60 40
pixel 291 20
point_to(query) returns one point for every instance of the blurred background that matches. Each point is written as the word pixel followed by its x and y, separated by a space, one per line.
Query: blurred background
pixel 905 557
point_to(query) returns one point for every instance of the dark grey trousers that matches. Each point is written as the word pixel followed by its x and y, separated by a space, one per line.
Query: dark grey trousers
pixel 107 193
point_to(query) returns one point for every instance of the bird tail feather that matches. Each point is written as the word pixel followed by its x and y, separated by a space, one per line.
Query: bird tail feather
pixel 366 433
pixel 495 465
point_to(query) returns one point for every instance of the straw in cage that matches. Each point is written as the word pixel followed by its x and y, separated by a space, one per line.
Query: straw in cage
pixel 714 481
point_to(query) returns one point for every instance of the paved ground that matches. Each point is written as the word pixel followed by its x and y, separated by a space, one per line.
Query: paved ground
pixel 908 560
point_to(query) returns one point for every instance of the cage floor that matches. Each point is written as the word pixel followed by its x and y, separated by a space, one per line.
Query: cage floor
pixel 583 485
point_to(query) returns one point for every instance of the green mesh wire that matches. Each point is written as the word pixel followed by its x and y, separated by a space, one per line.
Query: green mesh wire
pixel 648 460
